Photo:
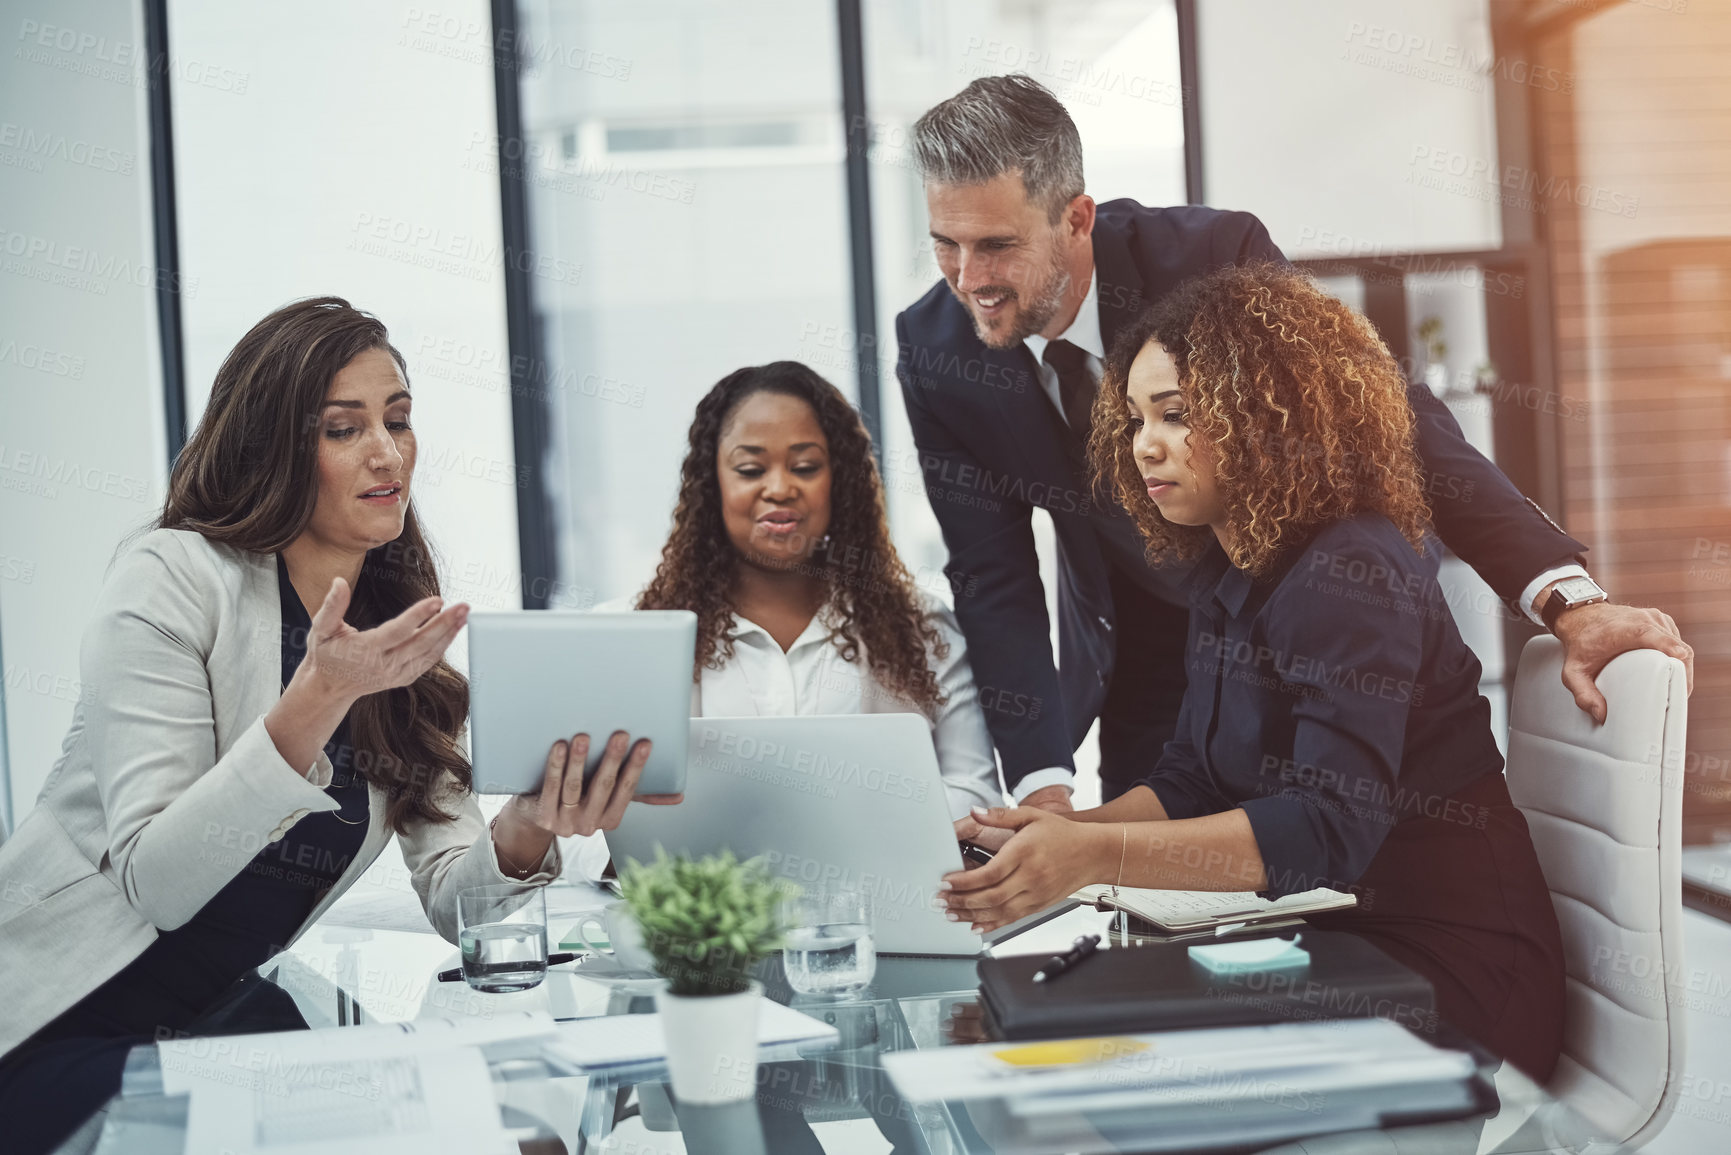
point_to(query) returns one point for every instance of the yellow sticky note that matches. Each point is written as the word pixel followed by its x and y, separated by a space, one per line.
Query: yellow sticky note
pixel 1068 1052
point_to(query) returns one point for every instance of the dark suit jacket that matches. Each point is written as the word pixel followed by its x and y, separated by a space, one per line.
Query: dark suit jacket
pixel 992 448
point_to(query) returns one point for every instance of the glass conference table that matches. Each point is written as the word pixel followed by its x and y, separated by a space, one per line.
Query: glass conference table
pixel 834 1098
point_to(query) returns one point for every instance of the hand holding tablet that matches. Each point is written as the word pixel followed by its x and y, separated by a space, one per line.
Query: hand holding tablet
pixel 603 679
pixel 567 804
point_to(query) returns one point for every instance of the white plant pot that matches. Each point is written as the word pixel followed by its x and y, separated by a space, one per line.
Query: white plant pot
pixel 711 1044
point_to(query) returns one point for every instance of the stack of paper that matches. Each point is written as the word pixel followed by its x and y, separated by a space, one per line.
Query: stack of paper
pixel 399 1087
pixel 1208 1087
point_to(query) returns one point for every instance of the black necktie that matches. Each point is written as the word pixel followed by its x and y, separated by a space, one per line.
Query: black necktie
pixel 1075 385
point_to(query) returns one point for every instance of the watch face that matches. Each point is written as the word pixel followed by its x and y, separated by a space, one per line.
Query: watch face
pixel 1578 589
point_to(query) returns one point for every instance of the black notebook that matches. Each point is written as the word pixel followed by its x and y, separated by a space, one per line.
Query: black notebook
pixel 1158 987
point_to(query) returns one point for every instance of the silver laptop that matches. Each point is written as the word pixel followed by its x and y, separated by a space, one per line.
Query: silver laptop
pixel 839 802
pixel 541 675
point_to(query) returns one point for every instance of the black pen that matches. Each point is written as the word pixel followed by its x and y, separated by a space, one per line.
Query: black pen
pixel 553 960
pixel 974 853
pixel 1084 946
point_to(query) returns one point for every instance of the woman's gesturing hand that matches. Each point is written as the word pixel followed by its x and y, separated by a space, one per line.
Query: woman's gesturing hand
pixel 343 665
pixel 349 664
pixel 1047 858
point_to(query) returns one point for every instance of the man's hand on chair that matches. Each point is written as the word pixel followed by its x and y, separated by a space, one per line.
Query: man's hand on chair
pixel 1594 634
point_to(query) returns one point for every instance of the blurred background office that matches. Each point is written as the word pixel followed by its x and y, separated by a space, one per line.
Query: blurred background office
pixel 576 215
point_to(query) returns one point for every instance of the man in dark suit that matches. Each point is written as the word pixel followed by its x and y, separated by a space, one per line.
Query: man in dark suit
pixel 999 365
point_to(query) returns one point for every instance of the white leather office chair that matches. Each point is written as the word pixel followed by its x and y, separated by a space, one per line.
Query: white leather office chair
pixel 1605 804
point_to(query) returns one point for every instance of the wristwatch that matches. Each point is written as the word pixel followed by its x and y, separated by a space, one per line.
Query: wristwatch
pixel 1566 595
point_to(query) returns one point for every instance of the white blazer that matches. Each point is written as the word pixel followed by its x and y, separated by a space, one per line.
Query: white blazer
pixel 168 784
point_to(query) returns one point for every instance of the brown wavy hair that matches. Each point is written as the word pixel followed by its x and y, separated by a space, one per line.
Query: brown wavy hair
pixel 1304 408
pixel 248 478
pixel 871 591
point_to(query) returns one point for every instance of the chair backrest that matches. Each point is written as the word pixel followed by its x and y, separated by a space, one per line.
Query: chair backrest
pixel 1605 806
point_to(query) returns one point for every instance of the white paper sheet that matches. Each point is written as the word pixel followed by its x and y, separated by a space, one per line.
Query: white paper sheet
pixel 404 1104
pixel 617 1040
pixel 189 1062
pixel 1189 908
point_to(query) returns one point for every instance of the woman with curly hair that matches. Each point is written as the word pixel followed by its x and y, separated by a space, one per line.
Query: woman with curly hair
pixel 1332 733
pixel 781 547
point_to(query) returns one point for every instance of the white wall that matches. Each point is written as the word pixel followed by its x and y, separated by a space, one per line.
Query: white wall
pixel 321 147
pixel 333 147
pixel 1353 126
pixel 82 457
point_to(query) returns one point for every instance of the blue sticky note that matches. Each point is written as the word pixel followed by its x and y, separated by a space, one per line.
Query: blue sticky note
pixel 1258 954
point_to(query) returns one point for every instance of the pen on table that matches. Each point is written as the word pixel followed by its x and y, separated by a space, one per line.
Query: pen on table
pixel 1083 947
pixel 553 960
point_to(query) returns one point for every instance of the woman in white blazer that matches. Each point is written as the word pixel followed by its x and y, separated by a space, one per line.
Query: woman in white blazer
pixel 781 546
pixel 265 703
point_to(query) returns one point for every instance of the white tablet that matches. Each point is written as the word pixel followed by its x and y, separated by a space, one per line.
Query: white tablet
pixel 541 675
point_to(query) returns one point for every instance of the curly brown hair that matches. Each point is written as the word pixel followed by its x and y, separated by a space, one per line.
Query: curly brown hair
pixel 1303 406
pixel 871 591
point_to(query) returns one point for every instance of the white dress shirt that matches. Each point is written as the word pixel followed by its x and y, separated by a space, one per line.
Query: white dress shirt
pixel 812 677
pixel 1084 333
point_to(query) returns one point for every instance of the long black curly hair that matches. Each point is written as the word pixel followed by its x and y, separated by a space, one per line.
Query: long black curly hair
pixel 871 591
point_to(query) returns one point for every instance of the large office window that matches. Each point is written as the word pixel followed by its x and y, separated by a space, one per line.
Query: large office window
pixel 1115 67
pixel 314 161
pixel 684 171
pixel 687 166
pixel 1632 179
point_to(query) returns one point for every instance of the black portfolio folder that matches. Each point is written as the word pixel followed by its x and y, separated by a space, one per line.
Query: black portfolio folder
pixel 1158 987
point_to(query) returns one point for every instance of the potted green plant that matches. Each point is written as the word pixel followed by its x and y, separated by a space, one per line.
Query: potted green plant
pixel 1436 372
pixel 706 922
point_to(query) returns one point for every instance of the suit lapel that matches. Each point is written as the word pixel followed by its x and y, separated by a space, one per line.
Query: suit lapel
pixel 1123 294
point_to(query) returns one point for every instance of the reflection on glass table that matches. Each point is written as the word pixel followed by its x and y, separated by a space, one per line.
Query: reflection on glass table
pixel 816 1100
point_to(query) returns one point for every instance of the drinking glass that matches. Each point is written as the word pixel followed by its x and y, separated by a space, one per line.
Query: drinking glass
pixel 502 931
pixel 829 948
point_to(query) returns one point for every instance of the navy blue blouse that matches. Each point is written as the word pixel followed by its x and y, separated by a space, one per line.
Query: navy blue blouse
pixel 1329 701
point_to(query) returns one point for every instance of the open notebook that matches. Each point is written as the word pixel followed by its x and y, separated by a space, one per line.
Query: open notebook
pixel 1178 911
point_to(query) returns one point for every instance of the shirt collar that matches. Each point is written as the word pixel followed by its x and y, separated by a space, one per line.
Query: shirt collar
pixel 1215 578
pixel 821 625
pixel 1084 331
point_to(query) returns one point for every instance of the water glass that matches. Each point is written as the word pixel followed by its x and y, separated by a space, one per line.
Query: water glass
pixel 502 931
pixel 829 948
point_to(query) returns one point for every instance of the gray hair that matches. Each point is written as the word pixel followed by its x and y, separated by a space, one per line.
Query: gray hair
pixel 1002 124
